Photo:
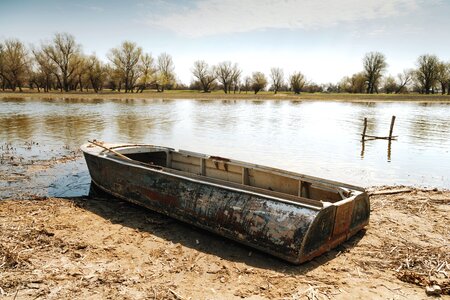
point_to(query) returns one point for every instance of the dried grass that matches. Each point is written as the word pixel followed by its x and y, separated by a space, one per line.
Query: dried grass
pixel 28 246
pixel 422 260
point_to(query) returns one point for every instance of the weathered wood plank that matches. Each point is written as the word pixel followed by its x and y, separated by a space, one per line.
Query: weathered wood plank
pixel 245 180
pixel 169 159
pixel 269 216
pixel 202 166
pixel 305 189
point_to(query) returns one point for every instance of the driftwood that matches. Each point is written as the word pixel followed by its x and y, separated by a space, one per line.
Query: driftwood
pixel 391 192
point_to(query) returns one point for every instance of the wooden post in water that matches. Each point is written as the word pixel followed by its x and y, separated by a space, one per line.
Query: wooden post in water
pixel 392 128
pixel 364 130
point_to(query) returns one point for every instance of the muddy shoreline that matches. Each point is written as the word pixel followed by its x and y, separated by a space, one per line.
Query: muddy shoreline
pixel 76 247
pixel 219 95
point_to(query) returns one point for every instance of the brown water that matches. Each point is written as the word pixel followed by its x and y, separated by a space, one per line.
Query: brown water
pixel 313 137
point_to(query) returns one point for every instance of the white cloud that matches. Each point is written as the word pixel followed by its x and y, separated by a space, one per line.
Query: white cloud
pixel 211 17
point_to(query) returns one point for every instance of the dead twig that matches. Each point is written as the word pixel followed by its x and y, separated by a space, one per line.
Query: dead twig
pixel 178 296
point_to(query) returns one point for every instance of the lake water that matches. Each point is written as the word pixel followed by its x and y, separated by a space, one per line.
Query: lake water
pixel 317 138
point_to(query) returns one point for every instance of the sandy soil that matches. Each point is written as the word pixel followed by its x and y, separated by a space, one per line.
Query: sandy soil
pixel 103 248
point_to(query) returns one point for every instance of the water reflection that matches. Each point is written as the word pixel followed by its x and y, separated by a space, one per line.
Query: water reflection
pixel 16 126
pixel 389 148
pixel 70 128
pixel 257 102
pixel 133 128
pixel 421 127
pixel 317 138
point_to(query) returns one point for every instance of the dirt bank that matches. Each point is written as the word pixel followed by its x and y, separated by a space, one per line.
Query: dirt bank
pixel 220 95
pixel 97 248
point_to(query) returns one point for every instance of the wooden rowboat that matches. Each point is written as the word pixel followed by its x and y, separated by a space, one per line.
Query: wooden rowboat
pixel 289 215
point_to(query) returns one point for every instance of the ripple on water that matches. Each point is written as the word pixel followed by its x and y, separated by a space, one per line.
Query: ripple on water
pixel 317 138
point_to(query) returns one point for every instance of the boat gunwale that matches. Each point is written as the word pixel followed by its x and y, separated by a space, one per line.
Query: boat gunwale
pixel 276 171
pixel 277 196
pixel 317 205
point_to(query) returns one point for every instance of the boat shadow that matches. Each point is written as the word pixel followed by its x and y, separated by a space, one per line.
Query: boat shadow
pixel 139 218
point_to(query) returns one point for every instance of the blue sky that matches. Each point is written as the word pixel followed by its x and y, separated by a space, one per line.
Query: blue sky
pixel 325 40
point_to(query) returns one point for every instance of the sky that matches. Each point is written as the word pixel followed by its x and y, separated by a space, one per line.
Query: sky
pixel 324 39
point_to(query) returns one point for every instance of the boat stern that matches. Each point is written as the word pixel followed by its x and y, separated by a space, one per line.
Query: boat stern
pixel 334 225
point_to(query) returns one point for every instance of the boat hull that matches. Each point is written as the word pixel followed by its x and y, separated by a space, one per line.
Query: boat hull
pixel 291 231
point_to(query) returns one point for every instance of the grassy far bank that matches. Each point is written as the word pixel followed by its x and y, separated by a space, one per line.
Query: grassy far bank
pixel 220 95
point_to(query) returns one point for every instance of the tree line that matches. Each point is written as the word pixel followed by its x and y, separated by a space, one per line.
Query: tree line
pixel 60 64
pixel 227 76
pixel 431 76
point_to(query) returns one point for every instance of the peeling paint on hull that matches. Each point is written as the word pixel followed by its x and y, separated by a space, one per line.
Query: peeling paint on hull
pixel 291 231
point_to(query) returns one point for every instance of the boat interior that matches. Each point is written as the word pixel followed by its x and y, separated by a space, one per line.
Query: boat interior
pixel 260 179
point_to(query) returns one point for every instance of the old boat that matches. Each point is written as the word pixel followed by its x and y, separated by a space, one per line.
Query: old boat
pixel 292 216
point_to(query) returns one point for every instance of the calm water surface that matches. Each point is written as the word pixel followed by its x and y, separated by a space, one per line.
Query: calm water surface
pixel 316 138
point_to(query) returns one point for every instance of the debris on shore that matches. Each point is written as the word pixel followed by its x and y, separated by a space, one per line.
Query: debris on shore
pixel 65 247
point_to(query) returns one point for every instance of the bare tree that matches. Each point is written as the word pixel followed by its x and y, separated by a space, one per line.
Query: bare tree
pixel 14 64
pixel 312 87
pixel 355 84
pixel 331 88
pixel 45 68
pixel 404 79
pixel 358 83
pixel 259 81
pixel 147 72
pixel 389 85
pixel 297 82
pixel 63 52
pixel 113 78
pixel 224 73
pixel 277 77
pixel 80 74
pixel 246 85
pixel 2 67
pixel 125 60
pixel 374 65
pixel 2 80
pixel 166 72
pixel 235 79
pixel 205 75
pixel 96 72
pixel 443 76
pixel 427 72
